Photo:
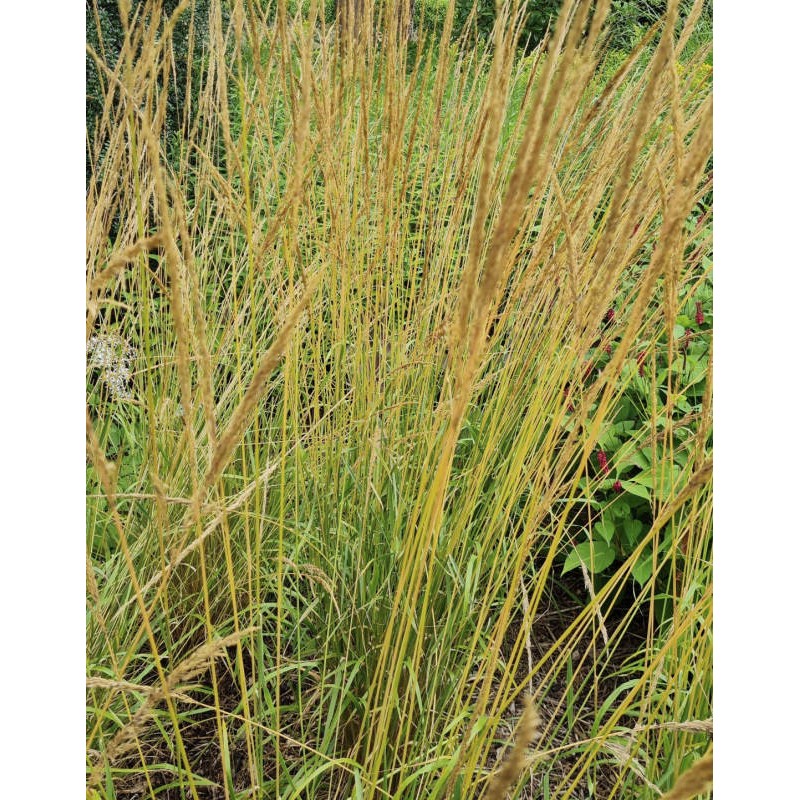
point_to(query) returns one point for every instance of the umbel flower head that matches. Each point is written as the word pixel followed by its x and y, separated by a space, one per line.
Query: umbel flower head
pixel 113 356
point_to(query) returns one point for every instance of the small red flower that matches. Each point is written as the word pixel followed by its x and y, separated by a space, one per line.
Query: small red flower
pixel 699 317
pixel 617 487
pixel 687 339
pixel 602 460
pixel 610 315
pixel 607 348
pixel 640 359
pixel 635 230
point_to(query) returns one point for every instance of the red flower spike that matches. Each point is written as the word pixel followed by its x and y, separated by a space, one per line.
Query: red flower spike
pixel 617 487
pixel 640 359
pixel 610 315
pixel 699 317
pixel 602 460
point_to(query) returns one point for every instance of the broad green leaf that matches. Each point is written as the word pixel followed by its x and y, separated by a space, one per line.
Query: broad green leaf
pixel 641 458
pixel 644 567
pixel 697 374
pixel 633 530
pixel 597 555
pixel 667 487
pixel 620 510
pixel 608 439
pixel 605 528
pixel 697 390
pixel 682 404
pixel 639 484
pixel 626 453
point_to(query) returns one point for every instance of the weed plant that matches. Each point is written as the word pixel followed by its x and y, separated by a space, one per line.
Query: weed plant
pixel 344 505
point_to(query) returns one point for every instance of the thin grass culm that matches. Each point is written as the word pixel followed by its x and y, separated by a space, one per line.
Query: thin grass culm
pixel 399 347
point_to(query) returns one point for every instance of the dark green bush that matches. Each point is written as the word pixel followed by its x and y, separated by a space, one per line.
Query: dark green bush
pixel 628 19
pixel 105 35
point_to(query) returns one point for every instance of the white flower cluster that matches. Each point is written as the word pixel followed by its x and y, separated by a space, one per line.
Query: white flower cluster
pixel 113 356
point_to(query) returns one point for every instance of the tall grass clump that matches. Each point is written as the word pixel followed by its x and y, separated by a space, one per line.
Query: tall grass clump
pixel 349 364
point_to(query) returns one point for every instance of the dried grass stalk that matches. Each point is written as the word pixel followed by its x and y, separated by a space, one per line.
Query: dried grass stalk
pixel 123 257
pixel 198 662
pixel 230 437
pixel 695 780
pixel 509 773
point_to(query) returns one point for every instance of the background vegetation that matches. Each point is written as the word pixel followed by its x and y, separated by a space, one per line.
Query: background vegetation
pixel 627 22
pixel 398 403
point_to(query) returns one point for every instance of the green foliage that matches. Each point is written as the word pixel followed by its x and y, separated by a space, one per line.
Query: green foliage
pixel 474 19
pixel 105 34
pixel 628 19
pixel 644 451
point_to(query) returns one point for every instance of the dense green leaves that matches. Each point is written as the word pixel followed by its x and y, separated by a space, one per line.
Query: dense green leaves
pixel 105 34
pixel 628 19
pixel 632 478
